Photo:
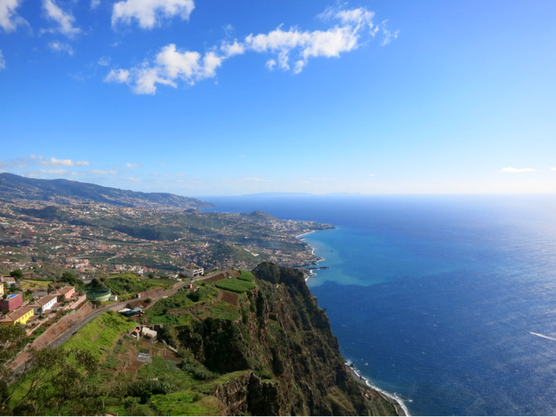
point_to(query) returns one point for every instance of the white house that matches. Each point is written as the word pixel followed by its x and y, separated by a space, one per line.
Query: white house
pixel 192 271
pixel 148 333
pixel 44 304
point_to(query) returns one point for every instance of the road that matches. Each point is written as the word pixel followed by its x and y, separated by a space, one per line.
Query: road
pixel 64 337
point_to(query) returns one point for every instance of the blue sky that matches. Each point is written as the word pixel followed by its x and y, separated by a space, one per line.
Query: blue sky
pixel 237 97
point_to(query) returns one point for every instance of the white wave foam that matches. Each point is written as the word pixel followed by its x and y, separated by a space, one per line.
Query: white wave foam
pixel 393 397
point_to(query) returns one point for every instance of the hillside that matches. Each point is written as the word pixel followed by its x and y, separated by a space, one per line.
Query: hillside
pixel 14 187
pixel 264 349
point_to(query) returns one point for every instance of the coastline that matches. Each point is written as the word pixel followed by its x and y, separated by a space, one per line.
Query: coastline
pixel 300 237
pixel 401 408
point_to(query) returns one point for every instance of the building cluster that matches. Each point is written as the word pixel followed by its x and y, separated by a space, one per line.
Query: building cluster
pixel 87 238
pixel 16 310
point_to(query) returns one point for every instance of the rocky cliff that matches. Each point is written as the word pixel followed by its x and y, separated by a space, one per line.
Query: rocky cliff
pixel 280 357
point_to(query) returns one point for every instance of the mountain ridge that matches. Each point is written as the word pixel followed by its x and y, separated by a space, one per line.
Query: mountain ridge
pixel 61 191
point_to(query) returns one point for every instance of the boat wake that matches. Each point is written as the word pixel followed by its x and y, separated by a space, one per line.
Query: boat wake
pixel 543 336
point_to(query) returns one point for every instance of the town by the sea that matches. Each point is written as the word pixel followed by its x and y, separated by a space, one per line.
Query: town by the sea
pixel 447 302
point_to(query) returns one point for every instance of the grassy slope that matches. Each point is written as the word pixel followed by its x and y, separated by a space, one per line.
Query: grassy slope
pixel 100 335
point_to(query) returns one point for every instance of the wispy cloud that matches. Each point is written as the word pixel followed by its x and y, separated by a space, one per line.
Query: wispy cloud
pixel 95 4
pixel 102 172
pixel 553 169
pixel 388 35
pixel 512 170
pixel 61 47
pixel 9 19
pixel 291 48
pixel 18 163
pixel 53 162
pixel 2 61
pixel 54 171
pixel 131 165
pixel 65 20
pixel 104 61
pixel 150 13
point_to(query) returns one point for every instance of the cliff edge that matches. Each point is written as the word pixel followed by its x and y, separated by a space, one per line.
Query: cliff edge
pixel 280 357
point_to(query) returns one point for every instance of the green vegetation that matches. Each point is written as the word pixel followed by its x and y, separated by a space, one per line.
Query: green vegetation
pixel 192 366
pixel 220 346
pixel 16 273
pixel 57 382
pixel 225 311
pixel 70 279
pixel 189 403
pixel 28 284
pixel 12 340
pixel 246 276
pixel 161 312
pixel 99 336
pixel 128 283
pixel 235 285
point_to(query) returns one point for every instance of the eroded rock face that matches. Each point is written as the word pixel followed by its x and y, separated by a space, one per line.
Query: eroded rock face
pixel 281 355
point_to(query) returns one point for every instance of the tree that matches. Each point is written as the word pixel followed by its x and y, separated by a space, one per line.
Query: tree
pixel 17 274
pixel 58 378
pixel 12 340
pixel 69 278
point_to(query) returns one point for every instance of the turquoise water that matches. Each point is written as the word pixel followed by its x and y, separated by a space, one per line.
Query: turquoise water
pixel 441 300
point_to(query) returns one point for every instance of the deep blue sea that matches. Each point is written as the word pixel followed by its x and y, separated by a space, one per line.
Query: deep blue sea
pixel 435 298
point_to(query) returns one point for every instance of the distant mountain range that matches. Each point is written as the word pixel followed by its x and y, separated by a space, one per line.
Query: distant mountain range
pixel 68 192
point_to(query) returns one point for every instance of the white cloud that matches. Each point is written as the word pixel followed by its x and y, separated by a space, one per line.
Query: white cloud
pixel 104 61
pixel 146 79
pixel 149 13
pixel 54 171
pixel 9 20
pixel 131 165
pixel 118 76
pixel 102 172
pixel 232 49
pixel 53 162
pixel 360 17
pixel 388 35
pixel 95 4
pixel 2 61
pixel 61 47
pixel 306 45
pixel 170 65
pixel 64 20
pixel 292 48
pixel 553 169
pixel 517 170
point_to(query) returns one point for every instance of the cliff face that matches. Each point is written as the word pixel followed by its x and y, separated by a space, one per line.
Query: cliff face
pixel 280 357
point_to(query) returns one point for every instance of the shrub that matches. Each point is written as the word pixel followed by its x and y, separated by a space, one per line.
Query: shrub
pixel 144 389
pixel 191 365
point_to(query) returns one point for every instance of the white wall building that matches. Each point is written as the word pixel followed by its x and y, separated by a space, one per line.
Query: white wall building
pixel 193 271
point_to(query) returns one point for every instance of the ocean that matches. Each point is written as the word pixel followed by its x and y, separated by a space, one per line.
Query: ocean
pixel 448 302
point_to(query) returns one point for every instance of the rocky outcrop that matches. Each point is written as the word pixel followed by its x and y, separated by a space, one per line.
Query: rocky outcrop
pixel 281 355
